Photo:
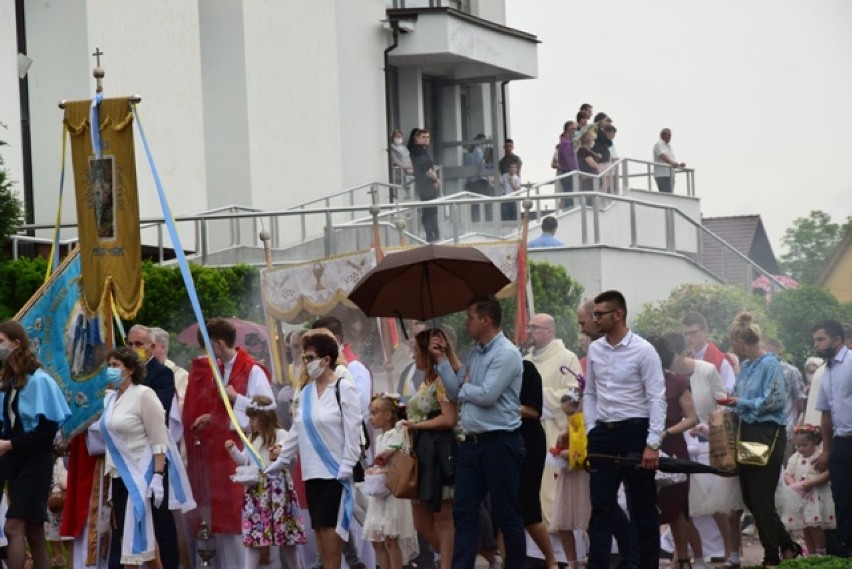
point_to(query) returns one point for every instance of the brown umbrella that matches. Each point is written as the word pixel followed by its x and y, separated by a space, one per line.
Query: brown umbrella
pixel 427 282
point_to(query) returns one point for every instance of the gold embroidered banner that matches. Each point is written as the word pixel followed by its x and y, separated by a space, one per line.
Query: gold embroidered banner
pixel 107 206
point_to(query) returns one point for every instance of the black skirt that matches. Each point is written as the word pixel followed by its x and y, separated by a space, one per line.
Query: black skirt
pixel 29 479
pixel 324 497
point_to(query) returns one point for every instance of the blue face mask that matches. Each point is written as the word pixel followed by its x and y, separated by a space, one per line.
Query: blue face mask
pixel 114 376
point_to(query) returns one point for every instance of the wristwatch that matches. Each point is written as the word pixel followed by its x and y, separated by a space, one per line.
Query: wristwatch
pixel 653 446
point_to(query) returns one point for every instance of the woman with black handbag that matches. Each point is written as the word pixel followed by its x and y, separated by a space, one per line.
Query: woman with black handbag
pixel 759 400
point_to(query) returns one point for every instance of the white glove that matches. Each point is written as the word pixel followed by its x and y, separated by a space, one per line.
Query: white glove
pixel 155 489
pixel 344 472
pixel 277 465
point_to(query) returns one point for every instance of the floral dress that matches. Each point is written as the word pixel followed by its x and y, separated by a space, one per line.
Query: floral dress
pixel 426 404
pixel 270 510
pixel 814 509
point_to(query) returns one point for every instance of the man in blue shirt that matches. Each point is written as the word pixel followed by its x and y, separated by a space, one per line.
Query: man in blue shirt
pixel 489 460
pixel 835 402
pixel 547 237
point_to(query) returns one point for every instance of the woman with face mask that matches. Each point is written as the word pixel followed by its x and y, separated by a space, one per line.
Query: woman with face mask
pixel 33 409
pixel 133 426
pixel 403 170
pixel 325 433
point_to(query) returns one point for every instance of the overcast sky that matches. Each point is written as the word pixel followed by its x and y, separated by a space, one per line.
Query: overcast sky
pixel 758 94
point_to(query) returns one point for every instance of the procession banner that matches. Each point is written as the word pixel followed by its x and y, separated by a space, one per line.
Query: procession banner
pixel 107 204
pixel 295 293
pixel 69 343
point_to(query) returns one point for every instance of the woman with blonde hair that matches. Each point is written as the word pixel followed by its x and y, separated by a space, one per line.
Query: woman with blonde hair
pixel 432 418
pixel 759 397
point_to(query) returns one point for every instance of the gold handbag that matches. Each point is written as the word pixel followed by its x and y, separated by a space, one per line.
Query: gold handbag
pixel 752 453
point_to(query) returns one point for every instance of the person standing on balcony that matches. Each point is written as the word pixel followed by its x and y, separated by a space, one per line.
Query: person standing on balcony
pixel 665 162
pixel 567 160
pixel 509 157
pixel 400 156
pixel 426 180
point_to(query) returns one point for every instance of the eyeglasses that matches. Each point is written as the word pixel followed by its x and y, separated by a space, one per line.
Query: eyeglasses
pixel 136 344
pixel 597 315
pixel 535 327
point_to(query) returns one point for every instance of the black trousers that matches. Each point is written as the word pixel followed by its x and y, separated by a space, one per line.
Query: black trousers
pixel 840 469
pixel 641 489
pixel 429 217
pixel 758 484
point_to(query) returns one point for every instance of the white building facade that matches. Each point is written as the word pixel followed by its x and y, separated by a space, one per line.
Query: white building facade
pixel 261 104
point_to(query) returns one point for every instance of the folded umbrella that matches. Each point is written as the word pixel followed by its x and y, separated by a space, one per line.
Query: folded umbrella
pixel 667 464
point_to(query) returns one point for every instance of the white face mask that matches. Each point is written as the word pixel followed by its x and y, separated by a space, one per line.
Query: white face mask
pixel 314 368
pixel 397 140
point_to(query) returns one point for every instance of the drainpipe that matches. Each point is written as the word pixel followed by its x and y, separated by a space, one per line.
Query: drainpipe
pixel 24 102
pixel 388 97
pixel 503 105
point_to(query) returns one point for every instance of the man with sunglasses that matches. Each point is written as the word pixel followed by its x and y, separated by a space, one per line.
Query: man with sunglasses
pixel 624 411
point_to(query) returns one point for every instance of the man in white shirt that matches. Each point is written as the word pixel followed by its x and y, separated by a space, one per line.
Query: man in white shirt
pixel 624 411
pixel 665 162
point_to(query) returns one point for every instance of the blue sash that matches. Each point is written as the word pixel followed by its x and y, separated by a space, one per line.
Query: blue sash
pixel 344 515
pixel 135 480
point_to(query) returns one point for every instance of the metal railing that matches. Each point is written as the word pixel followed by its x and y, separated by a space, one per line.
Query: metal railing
pixel 346 226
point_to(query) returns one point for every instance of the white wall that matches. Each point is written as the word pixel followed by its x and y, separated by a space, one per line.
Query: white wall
pixel 10 107
pixel 56 74
pixel 626 270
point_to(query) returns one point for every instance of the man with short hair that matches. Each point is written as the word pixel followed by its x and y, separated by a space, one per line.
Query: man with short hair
pixel 566 157
pixel 548 235
pixel 509 157
pixel 489 459
pixel 665 162
pixel 161 352
pixel 559 368
pixel 835 403
pixel 847 331
pixel 624 411
pixel 207 420
pixel 162 380
pixel 697 335
pixel 623 531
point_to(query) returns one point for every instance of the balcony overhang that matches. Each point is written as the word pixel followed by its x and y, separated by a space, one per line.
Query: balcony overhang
pixel 454 45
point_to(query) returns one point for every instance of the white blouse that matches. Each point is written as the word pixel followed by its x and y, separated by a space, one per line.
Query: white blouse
pixel 339 426
pixel 139 419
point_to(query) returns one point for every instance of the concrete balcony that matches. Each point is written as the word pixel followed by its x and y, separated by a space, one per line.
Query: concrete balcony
pixel 447 43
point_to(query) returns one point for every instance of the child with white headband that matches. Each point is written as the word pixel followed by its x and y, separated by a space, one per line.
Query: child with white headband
pixel 270 512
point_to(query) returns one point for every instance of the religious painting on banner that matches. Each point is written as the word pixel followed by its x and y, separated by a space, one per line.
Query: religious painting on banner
pixel 69 343
pixel 107 204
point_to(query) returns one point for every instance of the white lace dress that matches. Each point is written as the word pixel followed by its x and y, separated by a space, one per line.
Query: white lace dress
pixel 391 516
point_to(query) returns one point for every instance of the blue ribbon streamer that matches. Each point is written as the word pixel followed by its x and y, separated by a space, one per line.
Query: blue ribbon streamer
pixel 180 255
pixel 95 124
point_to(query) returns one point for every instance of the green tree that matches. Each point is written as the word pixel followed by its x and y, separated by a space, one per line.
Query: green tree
pixel 809 242
pixel 19 280
pixel 11 208
pixel 718 303
pixel 796 310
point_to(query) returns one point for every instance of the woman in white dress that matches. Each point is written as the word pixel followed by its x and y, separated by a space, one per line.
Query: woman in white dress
pixel 133 425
